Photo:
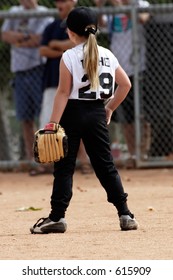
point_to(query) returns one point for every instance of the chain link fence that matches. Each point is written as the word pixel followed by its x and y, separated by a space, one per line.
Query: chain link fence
pixel 142 128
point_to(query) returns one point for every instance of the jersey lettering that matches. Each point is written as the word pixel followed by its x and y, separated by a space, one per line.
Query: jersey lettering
pixel 104 61
pixel 82 91
pixel 106 82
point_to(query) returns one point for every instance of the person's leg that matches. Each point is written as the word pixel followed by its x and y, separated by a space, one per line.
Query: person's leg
pixel 129 134
pixel 102 162
pixel 28 136
pixel 145 138
pixel 23 112
pixel 47 106
pixel 84 161
pixel 63 180
pixel 44 118
pixel 34 79
pixel 96 140
pixel 64 170
pixel 128 124
pixel 128 127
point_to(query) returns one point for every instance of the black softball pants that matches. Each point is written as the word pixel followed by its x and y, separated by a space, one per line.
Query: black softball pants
pixel 86 120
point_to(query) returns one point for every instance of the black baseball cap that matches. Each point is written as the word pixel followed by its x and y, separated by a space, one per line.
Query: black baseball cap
pixel 81 17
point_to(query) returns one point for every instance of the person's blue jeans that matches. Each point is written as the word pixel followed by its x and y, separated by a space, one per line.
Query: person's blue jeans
pixel 28 93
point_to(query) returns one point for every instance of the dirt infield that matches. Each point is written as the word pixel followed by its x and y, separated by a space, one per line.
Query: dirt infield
pixel 93 226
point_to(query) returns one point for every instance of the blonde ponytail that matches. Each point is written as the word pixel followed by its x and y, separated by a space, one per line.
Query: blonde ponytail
pixel 91 61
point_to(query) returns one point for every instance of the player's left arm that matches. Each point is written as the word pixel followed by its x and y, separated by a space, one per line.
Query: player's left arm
pixel 122 89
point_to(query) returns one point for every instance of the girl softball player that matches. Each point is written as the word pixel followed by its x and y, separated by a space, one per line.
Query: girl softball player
pixel 88 73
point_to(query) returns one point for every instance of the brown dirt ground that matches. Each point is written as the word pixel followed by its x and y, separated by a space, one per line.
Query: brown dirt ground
pixel 93 226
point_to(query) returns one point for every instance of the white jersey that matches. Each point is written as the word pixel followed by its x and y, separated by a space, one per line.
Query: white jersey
pixel 108 64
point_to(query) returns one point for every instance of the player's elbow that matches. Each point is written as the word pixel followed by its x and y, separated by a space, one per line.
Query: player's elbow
pixel 127 86
pixel 64 93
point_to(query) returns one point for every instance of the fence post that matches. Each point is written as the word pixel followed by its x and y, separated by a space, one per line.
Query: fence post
pixel 135 57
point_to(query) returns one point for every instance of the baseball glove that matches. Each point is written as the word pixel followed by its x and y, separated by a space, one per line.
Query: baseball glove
pixel 50 144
